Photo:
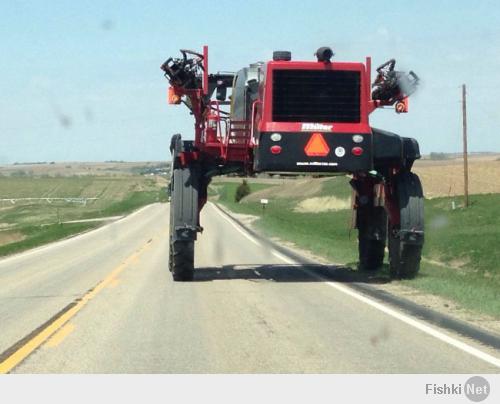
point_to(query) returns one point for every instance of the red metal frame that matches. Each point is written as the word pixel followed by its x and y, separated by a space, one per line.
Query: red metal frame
pixel 205 70
pixel 261 119
pixel 236 142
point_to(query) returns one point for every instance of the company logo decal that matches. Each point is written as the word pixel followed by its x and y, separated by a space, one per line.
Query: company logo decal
pixel 316 127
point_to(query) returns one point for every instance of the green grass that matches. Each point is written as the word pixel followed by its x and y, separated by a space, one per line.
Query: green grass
pixel 337 186
pixel 465 236
pixel 464 241
pixel 38 222
pixel 133 201
pixel 227 190
pixel 467 287
pixel 324 233
pixel 37 236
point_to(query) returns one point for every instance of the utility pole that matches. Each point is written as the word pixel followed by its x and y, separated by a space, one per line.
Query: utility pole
pixel 466 165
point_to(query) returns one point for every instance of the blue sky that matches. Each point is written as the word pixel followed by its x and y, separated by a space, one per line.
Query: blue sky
pixel 80 80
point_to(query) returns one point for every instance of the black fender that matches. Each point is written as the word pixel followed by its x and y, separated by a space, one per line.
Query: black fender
pixel 392 149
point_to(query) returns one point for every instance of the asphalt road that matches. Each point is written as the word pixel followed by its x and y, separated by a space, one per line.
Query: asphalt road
pixel 249 310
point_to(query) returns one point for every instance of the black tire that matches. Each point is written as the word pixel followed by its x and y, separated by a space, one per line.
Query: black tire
pixel 170 255
pixel 406 240
pixel 183 222
pixel 371 254
pixel 170 236
pixel 170 258
pixel 404 259
pixel 372 225
pixel 171 233
pixel 182 258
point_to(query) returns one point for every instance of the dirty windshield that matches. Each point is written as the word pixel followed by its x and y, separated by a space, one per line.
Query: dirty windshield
pixel 281 189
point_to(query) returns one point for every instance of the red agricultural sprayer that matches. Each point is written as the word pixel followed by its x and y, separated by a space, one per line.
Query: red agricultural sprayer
pixel 298 116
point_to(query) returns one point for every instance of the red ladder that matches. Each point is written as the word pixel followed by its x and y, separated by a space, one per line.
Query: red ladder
pixel 237 142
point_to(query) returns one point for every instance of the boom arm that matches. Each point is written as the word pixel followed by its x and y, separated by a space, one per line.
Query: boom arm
pixel 393 87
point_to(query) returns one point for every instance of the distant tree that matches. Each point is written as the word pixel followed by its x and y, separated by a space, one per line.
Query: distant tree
pixel 438 156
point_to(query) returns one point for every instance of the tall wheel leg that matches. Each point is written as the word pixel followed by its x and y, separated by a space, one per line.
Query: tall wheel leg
pixel 372 235
pixel 371 222
pixel 170 238
pixel 406 238
pixel 183 221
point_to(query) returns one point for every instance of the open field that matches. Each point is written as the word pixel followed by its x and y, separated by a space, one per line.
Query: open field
pixel 25 223
pixel 446 177
pixel 460 255
pixel 439 177
pixel 65 169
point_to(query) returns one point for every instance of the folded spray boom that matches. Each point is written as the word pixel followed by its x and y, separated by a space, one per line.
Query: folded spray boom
pixel 391 85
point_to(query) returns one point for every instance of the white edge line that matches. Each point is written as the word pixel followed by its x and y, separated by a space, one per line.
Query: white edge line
pixel 387 310
pixel 411 321
pixel 237 226
pixel 417 324
pixel 71 239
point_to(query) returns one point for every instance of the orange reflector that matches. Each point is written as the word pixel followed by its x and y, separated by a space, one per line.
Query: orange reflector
pixel 317 146
pixel 173 97
pixel 402 106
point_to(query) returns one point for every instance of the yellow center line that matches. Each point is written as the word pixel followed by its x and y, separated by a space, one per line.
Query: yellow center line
pixel 31 345
pixel 60 335
pixel 114 283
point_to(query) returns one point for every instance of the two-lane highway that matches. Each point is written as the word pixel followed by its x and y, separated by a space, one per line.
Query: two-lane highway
pixel 250 309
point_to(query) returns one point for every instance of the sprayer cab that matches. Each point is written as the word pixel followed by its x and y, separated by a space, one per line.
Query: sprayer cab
pixel 319 110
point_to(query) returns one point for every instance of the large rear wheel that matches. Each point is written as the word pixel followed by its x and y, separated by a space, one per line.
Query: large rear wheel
pixel 406 239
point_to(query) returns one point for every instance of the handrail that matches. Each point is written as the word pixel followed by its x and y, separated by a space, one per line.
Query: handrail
pixel 219 125
pixel 252 127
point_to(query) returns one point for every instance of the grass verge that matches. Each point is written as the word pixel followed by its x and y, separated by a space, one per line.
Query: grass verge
pixel 37 236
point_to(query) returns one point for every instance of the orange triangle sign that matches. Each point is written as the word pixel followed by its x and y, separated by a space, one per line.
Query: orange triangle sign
pixel 317 146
